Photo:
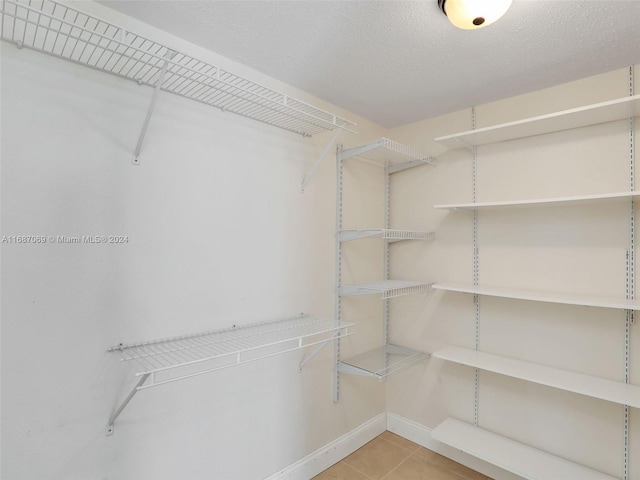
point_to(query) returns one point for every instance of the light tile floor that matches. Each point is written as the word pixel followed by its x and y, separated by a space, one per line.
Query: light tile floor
pixel 391 457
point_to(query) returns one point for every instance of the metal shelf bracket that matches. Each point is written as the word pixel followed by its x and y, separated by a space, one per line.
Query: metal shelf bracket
pixel 312 172
pixel 156 91
pixel 307 358
pixel 125 402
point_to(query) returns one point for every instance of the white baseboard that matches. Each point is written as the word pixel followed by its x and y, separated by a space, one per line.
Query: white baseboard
pixel 421 435
pixel 323 458
pixel 333 452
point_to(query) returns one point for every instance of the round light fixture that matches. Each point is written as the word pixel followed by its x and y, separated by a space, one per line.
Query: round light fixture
pixel 473 14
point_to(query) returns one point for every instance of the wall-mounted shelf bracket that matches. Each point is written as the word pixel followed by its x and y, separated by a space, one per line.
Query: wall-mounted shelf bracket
pixel 156 91
pixel 307 358
pixel 125 402
pixel 407 165
pixel 312 172
pixel 359 150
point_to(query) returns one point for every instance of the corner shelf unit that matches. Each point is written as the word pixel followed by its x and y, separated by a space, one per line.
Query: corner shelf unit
pixel 381 362
pixel 588 385
pixel 64 32
pixel 386 359
pixel 386 234
pixel 386 289
pixel 164 361
pixel 610 111
pixel 582 299
pixel 512 456
pixel 505 453
pixel 395 155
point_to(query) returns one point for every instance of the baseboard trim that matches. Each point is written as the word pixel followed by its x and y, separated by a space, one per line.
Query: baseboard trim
pixel 421 435
pixel 330 454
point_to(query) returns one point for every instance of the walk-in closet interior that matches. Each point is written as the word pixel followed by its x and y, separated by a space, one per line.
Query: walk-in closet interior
pixel 343 240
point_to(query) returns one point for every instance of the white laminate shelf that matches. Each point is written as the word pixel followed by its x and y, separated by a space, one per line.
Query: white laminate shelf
pixel 386 289
pixel 381 362
pixel 544 202
pixel 594 114
pixel 596 387
pixel 64 32
pixel 160 362
pixel 397 155
pixel 541 296
pixel 385 233
pixel 523 460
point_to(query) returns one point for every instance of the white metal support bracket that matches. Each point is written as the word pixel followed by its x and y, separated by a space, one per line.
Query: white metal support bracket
pixel 317 350
pixel 163 73
pixel 114 415
pixel 312 172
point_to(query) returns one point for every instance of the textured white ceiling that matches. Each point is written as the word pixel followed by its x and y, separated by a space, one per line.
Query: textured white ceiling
pixel 396 62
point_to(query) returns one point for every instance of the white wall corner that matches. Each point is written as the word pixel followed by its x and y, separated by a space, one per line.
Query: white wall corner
pixel 421 435
pixel 330 454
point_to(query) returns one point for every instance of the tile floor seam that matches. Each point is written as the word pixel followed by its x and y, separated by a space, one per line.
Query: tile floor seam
pixel 398 466
pixel 354 468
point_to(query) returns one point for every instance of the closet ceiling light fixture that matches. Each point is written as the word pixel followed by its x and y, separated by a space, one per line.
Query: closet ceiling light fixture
pixel 472 14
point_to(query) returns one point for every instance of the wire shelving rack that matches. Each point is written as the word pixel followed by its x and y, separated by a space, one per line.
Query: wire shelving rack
pixel 381 362
pixel 64 32
pixel 386 288
pixel 164 361
pixel 385 233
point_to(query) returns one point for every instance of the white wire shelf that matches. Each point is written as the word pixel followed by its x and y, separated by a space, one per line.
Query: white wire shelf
pixel 163 361
pixel 582 299
pixel 386 150
pixel 64 32
pixel 385 233
pixel 612 110
pixel 386 288
pixel 381 362
pixel 515 457
pixel 603 389
pixel 544 202
pixel 239 344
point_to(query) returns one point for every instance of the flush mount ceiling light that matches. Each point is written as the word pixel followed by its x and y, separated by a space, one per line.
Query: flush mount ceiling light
pixel 472 14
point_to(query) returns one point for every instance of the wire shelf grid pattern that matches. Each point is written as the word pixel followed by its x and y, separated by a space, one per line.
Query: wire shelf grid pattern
pixel 385 150
pixel 406 150
pixel 256 341
pixel 64 32
pixel 387 234
pixel 387 289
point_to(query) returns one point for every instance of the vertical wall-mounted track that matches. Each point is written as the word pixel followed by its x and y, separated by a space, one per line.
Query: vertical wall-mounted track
pixel 476 273
pixel 630 284
pixel 338 267
pixel 387 222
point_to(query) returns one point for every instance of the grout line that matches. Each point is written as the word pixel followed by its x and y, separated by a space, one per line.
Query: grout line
pixel 397 466
pixel 354 468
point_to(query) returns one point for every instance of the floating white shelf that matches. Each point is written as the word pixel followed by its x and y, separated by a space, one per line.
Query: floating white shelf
pixel 398 156
pixel 594 114
pixel 543 202
pixel 540 296
pixel 609 390
pixel 381 362
pixel 164 361
pixel 385 233
pixel 386 288
pixel 67 33
pixel 515 457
